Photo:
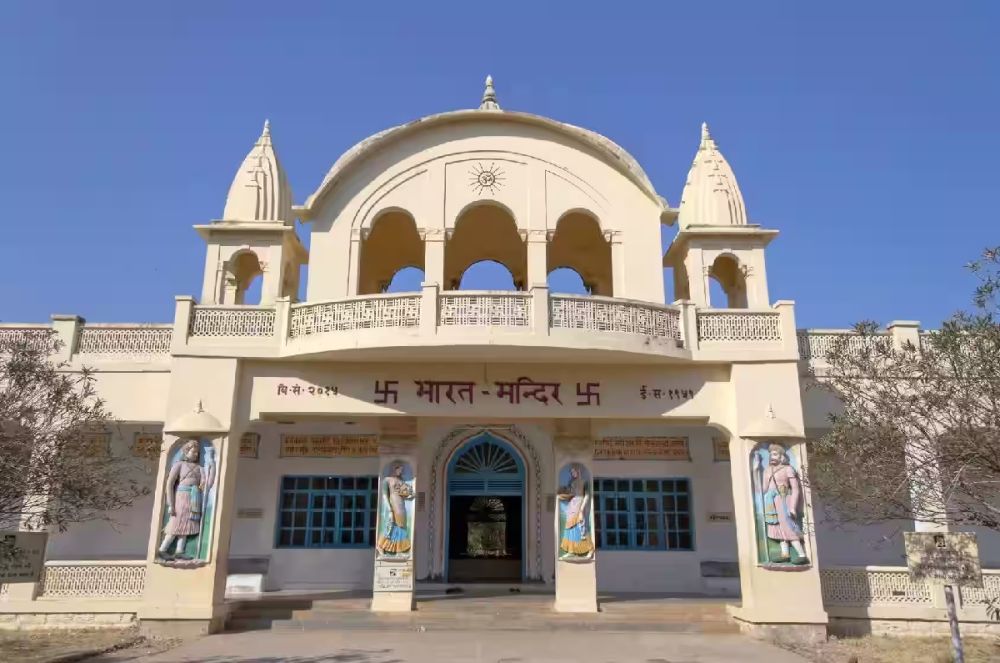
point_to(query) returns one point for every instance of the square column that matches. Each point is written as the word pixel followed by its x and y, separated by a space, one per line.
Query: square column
pixel 779 586
pixel 576 565
pixel 194 503
pixel 392 587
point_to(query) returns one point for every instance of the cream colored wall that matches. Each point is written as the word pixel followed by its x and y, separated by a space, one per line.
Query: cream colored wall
pixel 546 175
pixel 675 571
pixel 128 535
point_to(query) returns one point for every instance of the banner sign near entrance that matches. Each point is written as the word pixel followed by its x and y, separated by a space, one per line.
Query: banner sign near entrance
pixel 328 446
pixel 27 565
pixel 393 577
pixel 642 448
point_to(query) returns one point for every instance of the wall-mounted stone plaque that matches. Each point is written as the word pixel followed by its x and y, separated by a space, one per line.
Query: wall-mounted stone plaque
pixel 720 449
pixel 328 446
pixel 720 517
pixel 393 577
pixel 249 445
pixel 950 558
pixel 27 566
pixel 250 513
pixel 146 445
pixel 642 448
pixel 97 444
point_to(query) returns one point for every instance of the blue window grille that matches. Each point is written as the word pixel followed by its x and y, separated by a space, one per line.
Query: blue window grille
pixel 643 514
pixel 327 512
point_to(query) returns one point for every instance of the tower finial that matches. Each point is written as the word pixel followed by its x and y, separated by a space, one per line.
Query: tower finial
pixel 706 136
pixel 489 101
pixel 267 127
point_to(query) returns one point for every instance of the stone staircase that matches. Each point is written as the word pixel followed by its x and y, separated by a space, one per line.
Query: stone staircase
pixel 480 610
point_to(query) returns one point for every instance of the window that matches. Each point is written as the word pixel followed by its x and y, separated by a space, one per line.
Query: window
pixel 327 512
pixel 643 514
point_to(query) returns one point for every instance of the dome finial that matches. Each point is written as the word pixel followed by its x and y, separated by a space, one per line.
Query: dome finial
pixel 489 101
pixel 267 127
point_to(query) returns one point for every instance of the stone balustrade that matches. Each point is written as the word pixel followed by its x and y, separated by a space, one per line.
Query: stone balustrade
pixel 121 580
pixel 816 344
pixel 34 335
pixel 535 317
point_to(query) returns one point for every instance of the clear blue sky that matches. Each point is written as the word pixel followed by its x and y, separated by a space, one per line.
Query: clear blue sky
pixel 866 132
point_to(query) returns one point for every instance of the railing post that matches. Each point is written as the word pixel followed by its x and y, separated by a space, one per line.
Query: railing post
pixel 540 309
pixel 282 320
pixel 903 331
pixel 183 309
pixel 428 309
pixel 67 331
pixel 688 323
pixel 789 334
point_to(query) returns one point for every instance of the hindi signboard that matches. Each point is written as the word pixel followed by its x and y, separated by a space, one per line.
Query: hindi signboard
pixel 27 564
pixel 393 577
pixel 950 558
pixel 642 448
pixel 328 446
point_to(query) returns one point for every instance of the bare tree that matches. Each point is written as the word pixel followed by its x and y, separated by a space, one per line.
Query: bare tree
pixel 918 435
pixel 55 465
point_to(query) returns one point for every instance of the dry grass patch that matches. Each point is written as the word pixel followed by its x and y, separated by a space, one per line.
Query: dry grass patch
pixel 887 649
pixel 47 645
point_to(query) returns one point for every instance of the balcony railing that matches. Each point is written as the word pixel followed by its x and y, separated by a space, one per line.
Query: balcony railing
pixel 436 318
pixel 484 309
pixel 603 314
pixel 97 579
pixel 738 325
pixel 816 344
pixel 375 312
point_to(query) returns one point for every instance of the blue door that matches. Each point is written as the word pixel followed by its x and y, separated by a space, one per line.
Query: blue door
pixel 485 540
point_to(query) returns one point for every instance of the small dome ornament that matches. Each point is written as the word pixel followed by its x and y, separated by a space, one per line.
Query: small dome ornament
pixel 770 426
pixel 195 424
pixel 489 101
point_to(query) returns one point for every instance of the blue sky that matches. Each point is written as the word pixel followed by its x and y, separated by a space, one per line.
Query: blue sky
pixel 865 132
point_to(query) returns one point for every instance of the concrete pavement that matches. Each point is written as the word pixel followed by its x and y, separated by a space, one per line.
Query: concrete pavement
pixel 366 646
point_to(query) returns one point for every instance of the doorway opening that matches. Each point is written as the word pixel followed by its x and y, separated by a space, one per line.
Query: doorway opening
pixel 486 503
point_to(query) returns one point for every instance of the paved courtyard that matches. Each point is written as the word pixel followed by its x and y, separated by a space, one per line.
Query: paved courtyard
pixel 366 646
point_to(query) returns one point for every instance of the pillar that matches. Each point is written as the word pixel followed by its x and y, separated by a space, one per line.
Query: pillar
pixel 538 246
pixel 187 597
pixel 434 257
pixel 575 547
pixel 778 602
pixel 392 587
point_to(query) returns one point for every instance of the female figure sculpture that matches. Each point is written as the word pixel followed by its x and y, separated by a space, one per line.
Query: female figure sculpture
pixel 574 507
pixel 780 492
pixel 394 539
pixel 187 485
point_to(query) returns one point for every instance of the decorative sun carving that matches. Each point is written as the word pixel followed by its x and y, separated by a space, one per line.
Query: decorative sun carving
pixel 486 178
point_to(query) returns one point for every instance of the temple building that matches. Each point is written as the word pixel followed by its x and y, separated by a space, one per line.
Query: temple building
pixel 385 428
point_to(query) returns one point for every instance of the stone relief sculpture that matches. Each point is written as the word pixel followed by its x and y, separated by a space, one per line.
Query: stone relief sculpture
pixel 778 507
pixel 190 504
pixel 395 514
pixel 575 540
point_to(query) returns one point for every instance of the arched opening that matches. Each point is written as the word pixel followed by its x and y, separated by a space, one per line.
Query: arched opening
pixel 408 279
pixel 727 283
pixel 487 275
pixel 579 244
pixel 243 279
pixel 392 244
pixel 485 512
pixel 485 233
pixel 567 281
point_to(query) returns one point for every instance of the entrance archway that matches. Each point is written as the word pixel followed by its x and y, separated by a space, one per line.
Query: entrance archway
pixel 485 512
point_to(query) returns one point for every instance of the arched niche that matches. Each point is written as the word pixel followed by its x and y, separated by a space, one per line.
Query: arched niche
pixel 485 232
pixel 407 279
pixel 392 244
pixel 727 273
pixel 243 282
pixel 579 244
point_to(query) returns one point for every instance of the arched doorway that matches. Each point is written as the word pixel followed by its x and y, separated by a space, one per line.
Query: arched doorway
pixel 485 512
